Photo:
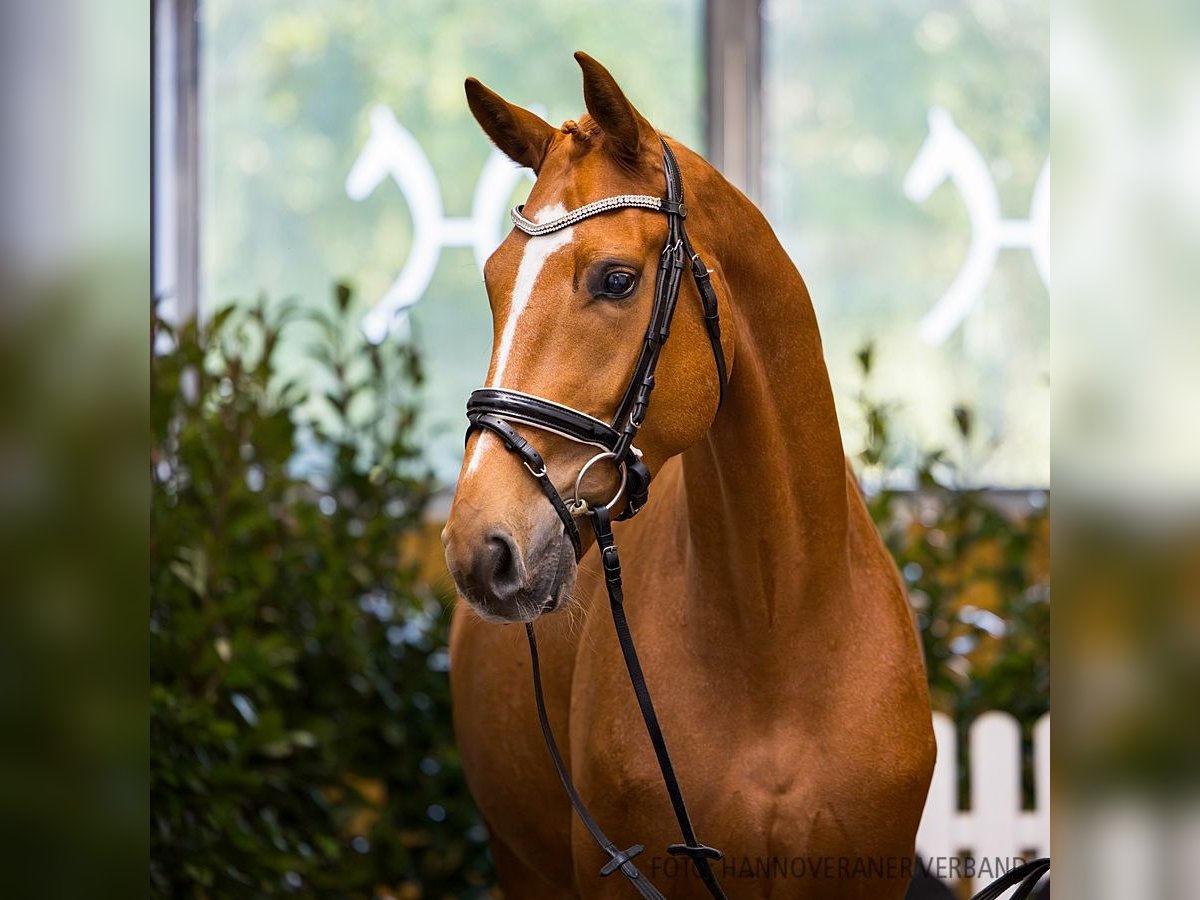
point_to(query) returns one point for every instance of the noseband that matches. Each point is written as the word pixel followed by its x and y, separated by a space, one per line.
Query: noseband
pixel 496 410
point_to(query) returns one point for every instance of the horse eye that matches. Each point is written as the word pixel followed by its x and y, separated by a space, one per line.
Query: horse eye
pixel 619 284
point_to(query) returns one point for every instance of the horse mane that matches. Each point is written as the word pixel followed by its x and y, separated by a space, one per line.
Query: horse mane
pixel 583 130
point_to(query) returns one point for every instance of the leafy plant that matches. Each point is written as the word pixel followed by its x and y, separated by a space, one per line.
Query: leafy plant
pixel 300 722
pixel 976 564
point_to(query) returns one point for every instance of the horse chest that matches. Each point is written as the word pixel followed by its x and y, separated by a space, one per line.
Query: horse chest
pixel 771 768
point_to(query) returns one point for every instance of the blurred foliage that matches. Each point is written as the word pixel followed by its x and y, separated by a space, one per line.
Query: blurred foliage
pixel 1131 592
pixel 300 724
pixel 73 499
pixel 976 564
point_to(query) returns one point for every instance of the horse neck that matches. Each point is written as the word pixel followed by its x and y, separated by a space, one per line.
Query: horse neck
pixel 767 492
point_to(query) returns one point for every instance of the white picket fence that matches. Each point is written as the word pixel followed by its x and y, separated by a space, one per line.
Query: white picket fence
pixel 995 827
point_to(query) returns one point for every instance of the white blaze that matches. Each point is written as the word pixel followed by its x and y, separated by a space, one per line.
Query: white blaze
pixel 533 259
pixel 537 251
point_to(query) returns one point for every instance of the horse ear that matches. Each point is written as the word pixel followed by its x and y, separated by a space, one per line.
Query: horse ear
pixel 522 136
pixel 624 126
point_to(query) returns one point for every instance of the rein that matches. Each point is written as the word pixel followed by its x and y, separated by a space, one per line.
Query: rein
pixel 494 409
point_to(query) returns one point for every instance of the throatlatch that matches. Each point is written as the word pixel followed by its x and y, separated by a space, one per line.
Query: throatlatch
pixel 495 409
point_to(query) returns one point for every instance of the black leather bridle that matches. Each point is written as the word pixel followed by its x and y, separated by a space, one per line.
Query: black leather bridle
pixel 494 408
pixel 497 409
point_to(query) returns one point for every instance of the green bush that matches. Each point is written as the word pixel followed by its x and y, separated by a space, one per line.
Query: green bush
pixel 976 564
pixel 300 720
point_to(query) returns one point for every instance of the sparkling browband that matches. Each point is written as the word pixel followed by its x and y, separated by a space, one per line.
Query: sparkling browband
pixel 584 212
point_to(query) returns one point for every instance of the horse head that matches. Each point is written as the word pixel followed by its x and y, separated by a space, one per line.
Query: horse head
pixel 570 311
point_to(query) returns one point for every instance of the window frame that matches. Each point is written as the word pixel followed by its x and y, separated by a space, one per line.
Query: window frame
pixel 733 101
pixel 175 158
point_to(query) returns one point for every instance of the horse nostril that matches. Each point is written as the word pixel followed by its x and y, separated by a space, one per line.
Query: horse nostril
pixel 500 565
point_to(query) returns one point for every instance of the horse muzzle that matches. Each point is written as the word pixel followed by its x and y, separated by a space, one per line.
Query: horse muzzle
pixel 506 578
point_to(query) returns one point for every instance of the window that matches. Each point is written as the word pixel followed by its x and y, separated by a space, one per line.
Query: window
pixel 337 144
pixel 904 164
pixel 906 171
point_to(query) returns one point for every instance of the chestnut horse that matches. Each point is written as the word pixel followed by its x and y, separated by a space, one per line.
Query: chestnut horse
pixel 772 624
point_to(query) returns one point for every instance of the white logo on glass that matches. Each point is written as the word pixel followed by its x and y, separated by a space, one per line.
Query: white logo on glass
pixel 392 150
pixel 948 153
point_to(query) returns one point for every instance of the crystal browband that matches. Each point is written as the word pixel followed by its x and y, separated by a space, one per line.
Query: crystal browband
pixel 535 229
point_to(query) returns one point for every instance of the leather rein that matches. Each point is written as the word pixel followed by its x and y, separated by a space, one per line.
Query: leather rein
pixel 498 409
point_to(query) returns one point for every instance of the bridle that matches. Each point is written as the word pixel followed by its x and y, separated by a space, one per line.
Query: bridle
pixel 497 409
pixel 493 408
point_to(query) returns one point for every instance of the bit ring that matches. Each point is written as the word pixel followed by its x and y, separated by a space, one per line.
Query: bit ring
pixel 578 503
